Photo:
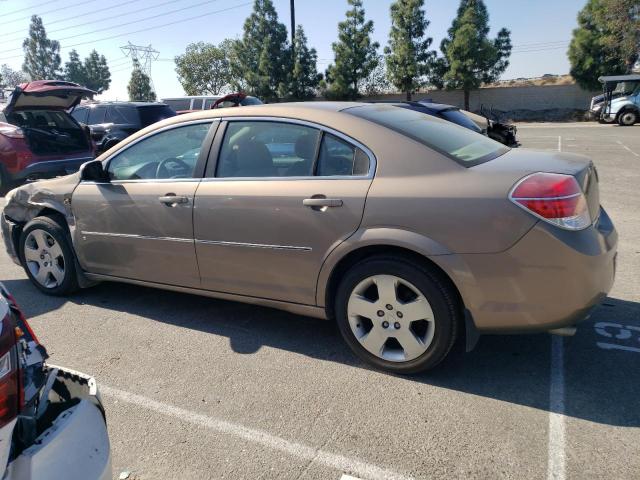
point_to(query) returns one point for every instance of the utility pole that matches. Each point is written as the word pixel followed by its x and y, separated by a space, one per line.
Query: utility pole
pixel 293 23
pixel 142 56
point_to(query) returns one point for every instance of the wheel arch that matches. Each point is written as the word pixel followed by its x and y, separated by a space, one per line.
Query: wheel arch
pixel 380 241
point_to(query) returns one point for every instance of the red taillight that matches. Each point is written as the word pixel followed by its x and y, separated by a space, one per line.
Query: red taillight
pixel 11 131
pixel 553 197
pixel 10 398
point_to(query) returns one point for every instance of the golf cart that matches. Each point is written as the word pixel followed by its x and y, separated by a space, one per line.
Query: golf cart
pixel 504 133
pixel 620 100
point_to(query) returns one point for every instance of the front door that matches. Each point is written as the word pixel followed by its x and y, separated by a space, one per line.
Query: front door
pixel 139 225
pixel 282 196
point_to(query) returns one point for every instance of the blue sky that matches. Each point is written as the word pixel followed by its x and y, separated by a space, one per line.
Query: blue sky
pixel 540 29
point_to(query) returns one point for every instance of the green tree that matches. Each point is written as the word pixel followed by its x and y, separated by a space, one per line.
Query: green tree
pixel 204 69
pixel 263 53
pixel 606 42
pixel 10 78
pixel 41 55
pixel 139 87
pixel 96 72
pixel 73 69
pixel 305 77
pixel 355 54
pixel 377 83
pixel 408 56
pixel 232 47
pixel 470 58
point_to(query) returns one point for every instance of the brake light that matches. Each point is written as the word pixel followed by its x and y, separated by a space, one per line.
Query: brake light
pixel 11 131
pixel 553 197
pixel 10 388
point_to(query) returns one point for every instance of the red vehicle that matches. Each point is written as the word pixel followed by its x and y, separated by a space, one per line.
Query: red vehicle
pixel 38 137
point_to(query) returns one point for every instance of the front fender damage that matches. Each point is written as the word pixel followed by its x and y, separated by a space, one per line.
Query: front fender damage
pixel 48 196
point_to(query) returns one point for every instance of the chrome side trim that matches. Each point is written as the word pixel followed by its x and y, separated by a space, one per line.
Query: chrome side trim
pixel 297 308
pixel 253 245
pixel 62 160
pixel 136 237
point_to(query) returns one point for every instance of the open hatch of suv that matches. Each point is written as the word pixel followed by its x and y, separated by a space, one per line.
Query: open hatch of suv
pixel 38 138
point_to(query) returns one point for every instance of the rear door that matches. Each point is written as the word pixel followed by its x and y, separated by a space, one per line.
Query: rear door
pixel 278 197
pixel 139 225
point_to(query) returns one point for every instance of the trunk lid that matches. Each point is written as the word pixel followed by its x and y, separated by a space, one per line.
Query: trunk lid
pixel 517 164
pixel 49 94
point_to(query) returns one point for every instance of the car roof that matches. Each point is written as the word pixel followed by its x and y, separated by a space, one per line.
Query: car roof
pixel 433 107
pixel 133 104
pixel 620 78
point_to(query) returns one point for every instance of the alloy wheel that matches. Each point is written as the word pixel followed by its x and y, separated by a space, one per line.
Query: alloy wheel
pixel 391 318
pixel 44 258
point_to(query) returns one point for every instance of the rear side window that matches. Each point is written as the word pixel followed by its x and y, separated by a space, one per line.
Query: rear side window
pixel 154 113
pixel 197 104
pixel 339 158
pixel 268 149
pixel 96 115
pixel 80 114
pixel 466 147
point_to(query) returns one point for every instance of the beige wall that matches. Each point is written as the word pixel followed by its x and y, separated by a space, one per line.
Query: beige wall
pixel 510 98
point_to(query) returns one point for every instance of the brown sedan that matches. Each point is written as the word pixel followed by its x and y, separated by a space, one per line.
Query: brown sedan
pixel 407 230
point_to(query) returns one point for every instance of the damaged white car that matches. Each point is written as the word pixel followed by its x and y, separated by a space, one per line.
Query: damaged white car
pixel 52 423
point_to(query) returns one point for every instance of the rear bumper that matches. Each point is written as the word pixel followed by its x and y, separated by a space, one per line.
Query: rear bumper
pixel 551 278
pixel 8 234
pixel 76 445
pixel 50 169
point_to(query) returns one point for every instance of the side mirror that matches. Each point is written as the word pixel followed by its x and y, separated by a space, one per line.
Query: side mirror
pixel 93 171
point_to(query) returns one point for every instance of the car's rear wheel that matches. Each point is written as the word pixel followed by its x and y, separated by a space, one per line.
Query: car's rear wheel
pixel 397 315
pixel 47 256
pixel 628 118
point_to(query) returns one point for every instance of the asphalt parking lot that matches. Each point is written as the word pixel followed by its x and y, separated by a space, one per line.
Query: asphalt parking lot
pixel 200 388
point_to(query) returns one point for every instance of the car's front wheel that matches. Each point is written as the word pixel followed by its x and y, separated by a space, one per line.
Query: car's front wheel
pixel 397 315
pixel 47 256
pixel 627 118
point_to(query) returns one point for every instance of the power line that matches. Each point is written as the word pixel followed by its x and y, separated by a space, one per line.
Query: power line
pixel 93 12
pixel 196 17
pixel 164 14
pixel 28 8
pixel 49 11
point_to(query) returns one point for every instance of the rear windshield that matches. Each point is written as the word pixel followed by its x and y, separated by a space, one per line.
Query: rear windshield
pixel 456 116
pixel 466 147
pixel 250 101
pixel 155 113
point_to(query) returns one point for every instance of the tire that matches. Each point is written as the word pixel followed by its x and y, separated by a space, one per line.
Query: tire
pixel 437 335
pixel 47 256
pixel 627 118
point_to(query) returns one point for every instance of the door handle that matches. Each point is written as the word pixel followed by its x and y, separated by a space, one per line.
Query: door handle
pixel 172 199
pixel 322 202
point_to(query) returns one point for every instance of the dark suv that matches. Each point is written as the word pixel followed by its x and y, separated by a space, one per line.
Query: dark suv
pixel 114 121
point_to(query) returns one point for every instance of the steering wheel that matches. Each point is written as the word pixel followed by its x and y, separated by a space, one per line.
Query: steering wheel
pixel 181 168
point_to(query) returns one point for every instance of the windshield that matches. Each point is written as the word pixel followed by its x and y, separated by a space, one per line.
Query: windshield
pixel 466 147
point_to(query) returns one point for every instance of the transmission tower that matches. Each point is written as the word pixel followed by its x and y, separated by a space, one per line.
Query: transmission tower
pixel 142 56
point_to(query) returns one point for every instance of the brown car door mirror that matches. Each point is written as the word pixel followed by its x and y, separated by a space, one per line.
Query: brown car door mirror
pixel 94 172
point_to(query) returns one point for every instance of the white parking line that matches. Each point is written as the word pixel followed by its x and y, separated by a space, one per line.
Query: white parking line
pixel 305 452
pixel 628 149
pixel 556 464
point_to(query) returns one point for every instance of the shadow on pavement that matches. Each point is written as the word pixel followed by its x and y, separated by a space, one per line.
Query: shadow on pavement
pixel 600 384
